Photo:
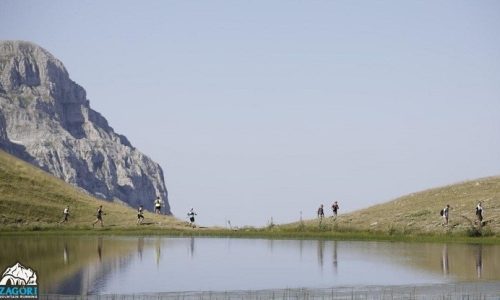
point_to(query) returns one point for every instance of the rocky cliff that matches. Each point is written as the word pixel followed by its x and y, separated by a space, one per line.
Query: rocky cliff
pixel 46 119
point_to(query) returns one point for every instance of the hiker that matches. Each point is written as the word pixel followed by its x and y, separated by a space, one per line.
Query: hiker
pixel 158 205
pixel 140 216
pixel 335 208
pixel 321 213
pixel 445 213
pixel 66 215
pixel 191 215
pixel 99 216
pixel 479 213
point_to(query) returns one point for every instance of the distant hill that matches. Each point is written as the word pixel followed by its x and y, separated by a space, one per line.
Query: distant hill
pixel 31 197
pixel 419 212
pixel 46 119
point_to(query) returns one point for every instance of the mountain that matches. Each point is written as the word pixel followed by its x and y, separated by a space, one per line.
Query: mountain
pixel 46 119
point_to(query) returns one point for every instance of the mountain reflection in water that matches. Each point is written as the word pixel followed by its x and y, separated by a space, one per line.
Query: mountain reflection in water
pixel 126 265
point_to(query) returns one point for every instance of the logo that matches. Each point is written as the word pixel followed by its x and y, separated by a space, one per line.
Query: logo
pixel 18 282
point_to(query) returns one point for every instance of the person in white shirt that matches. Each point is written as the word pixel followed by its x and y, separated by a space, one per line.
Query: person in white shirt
pixel 191 215
pixel 158 205
pixel 140 216
pixel 66 215
pixel 446 212
pixel 479 213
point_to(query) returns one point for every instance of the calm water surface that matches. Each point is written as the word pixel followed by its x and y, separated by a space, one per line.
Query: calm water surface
pixel 126 265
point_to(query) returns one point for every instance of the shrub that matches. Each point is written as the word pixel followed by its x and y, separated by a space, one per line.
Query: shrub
pixel 301 226
pixel 486 231
pixel 392 230
pixel 473 232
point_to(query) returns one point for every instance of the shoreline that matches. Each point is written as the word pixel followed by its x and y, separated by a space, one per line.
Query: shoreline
pixel 264 233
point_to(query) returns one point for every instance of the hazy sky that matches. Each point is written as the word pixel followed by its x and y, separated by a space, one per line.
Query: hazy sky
pixel 260 109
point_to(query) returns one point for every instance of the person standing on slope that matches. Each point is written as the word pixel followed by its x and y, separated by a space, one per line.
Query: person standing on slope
pixel 479 213
pixel 335 208
pixel 446 213
pixel 321 212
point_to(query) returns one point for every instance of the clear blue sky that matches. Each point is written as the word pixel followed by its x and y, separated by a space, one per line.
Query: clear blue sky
pixel 260 109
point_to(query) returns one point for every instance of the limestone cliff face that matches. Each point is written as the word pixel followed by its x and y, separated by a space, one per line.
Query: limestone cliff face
pixel 45 118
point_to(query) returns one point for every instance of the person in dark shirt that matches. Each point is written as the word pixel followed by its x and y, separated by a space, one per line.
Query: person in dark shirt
pixel 335 208
pixel 99 216
pixel 321 212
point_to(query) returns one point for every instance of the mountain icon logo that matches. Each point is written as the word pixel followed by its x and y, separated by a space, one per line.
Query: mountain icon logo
pixel 18 275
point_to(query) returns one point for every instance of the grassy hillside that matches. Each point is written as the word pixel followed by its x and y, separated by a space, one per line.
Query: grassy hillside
pixel 418 213
pixel 30 197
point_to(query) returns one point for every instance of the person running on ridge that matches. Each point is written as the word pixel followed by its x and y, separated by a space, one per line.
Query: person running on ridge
pixel 140 216
pixel 66 215
pixel 158 205
pixel 99 216
pixel 191 215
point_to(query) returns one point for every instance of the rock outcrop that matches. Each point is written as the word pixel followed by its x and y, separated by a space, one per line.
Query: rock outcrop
pixel 46 119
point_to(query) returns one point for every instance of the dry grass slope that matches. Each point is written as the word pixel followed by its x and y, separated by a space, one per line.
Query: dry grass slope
pixel 418 213
pixel 32 198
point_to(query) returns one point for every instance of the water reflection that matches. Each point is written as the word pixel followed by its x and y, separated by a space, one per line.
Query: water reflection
pixel 334 258
pixel 191 247
pixel 321 247
pixel 136 265
pixel 140 246
pixel 62 263
pixel 99 248
pixel 444 260
pixel 301 247
pixel 65 254
pixel 479 260
pixel 270 244
pixel 158 251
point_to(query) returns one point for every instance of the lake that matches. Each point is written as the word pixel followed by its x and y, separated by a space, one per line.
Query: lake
pixel 83 265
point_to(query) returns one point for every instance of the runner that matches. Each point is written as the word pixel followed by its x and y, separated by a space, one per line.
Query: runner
pixel 191 215
pixel 158 205
pixel 140 216
pixel 99 216
pixel 66 215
